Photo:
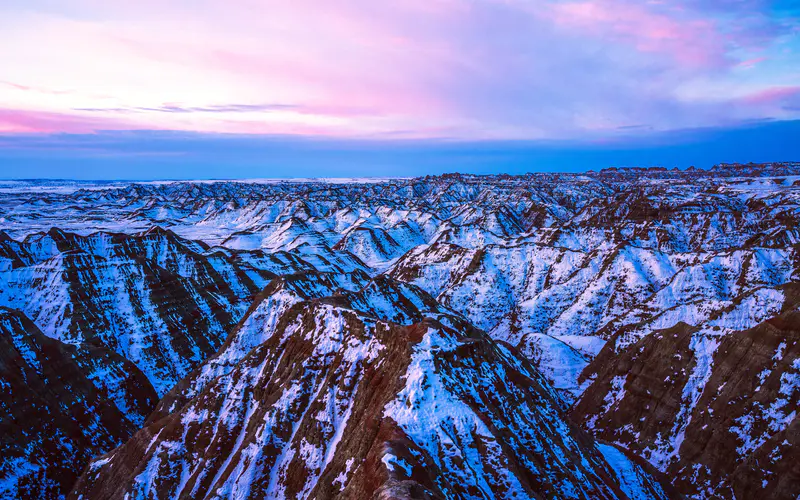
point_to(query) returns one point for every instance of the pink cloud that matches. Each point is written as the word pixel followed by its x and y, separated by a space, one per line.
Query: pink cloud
pixel 360 74
pixel 17 121
pixel 28 88
pixel 774 95
pixel 690 41
pixel 514 68
pixel 29 121
pixel 750 63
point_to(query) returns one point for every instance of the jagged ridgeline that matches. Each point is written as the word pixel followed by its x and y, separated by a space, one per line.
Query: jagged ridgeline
pixel 621 334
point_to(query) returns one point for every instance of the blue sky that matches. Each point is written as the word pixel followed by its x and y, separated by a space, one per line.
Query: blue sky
pixel 141 155
pixel 251 88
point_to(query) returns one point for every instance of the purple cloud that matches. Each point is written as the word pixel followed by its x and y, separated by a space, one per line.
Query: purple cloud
pixel 483 69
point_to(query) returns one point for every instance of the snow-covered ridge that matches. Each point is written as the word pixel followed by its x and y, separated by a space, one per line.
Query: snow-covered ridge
pixel 576 283
pixel 336 400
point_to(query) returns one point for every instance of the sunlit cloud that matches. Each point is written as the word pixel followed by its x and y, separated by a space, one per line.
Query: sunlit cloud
pixel 481 69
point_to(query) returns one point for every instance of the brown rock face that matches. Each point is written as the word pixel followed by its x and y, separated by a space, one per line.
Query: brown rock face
pixel 153 298
pixel 733 434
pixel 59 406
pixel 341 381
pixel 338 402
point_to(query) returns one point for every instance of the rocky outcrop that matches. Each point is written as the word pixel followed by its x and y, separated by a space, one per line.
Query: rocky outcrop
pixel 624 288
pixel 338 402
pixel 713 408
pixel 155 299
pixel 60 405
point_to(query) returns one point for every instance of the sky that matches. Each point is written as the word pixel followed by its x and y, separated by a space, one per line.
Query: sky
pixel 247 88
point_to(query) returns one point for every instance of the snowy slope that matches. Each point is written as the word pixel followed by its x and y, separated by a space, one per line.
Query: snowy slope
pixel 338 401
pixel 59 406
pixel 626 296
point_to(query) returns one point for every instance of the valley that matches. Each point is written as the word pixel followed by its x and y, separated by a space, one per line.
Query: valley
pixel 627 333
